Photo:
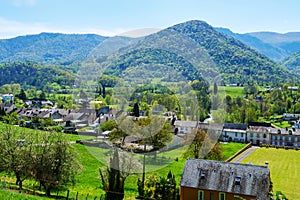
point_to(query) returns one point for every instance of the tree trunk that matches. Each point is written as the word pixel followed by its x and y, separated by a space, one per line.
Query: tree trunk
pixel 47 190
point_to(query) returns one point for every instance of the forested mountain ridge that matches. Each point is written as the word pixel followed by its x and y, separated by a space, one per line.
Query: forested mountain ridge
pixel 54 48
pixel 236 61
pixel 272 51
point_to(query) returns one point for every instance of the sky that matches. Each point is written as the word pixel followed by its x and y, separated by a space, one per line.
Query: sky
pixel 113 17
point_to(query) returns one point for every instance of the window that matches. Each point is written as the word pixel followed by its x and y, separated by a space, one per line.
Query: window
pixel 200 195
pixel 237 180
pixel 296 139
pixel 278 137
pixel 202 175
pixel 273 137
pixel 222 196
pixel 235 134
pixel 265 135
pixel 290 138
pixel 212 196
pixel 251 134
pixel 242 134
pixel 257 135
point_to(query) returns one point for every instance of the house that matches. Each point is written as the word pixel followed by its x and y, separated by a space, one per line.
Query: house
pixel 285 138
pixel 234 132
pixel 259 133
pixel 7 98
pixel 289 116
pixel 207 179
pixel 7 108
pixel 184 127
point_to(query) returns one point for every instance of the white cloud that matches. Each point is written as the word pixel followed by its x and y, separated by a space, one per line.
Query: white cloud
pixel 20 3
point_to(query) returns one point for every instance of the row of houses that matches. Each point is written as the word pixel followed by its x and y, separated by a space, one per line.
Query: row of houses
pixel 256 133
pixel 68 117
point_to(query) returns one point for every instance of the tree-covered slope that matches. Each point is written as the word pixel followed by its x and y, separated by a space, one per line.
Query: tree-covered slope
pixel 274 52
pixel 33 74
pixel 49 47
pixel 293 62
pixel 236 61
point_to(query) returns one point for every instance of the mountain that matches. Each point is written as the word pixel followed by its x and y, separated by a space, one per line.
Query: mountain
pixel 273 52
pixel 49 47
pixel 221 54
pixel 290 42
pixel 236 61
pixel 293 62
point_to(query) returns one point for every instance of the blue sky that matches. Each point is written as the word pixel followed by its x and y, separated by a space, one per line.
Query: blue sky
pixel 111 17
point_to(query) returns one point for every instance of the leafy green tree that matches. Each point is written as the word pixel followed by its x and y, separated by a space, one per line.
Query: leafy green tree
pixel 22 95
pixel 121 165
pixel 108 125
pixel 42 96
pixel 55 164
pixel 16 154
pixel 160 188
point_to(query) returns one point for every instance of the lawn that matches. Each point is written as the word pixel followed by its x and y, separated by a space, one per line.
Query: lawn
pixel 92 158
pixel 284 166
pixel 229 149
pixel 232 91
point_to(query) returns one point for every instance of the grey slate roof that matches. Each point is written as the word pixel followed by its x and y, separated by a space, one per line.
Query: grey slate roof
pixel 221 176
pixel 192 124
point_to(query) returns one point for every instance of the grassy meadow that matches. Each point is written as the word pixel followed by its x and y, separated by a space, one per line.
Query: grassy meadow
pixel 284 166
pixel 92 158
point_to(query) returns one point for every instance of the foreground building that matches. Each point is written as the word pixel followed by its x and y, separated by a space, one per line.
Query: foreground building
pixel 214 180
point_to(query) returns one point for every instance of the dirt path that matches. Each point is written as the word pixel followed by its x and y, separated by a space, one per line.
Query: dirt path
pixel 245 154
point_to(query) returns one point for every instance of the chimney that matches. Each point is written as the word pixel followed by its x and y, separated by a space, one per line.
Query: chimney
pixel 267 164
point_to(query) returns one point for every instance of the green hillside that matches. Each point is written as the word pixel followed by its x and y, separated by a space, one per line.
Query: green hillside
pixel 49 47
pixel 34 74
pixel 196 49
pixel 293 62
pixel 237 62
pixel 272 51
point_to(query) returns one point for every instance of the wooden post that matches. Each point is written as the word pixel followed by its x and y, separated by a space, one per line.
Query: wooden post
pixel 77 196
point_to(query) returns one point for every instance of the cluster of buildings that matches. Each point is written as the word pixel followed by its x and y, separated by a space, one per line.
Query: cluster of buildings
pixel 70 118
pixel 257 133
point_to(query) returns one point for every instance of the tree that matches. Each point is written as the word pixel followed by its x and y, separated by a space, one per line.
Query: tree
pixel 42 96
pixel 17 153
pixel 108 125
pixel 203 145
pixel 22 95
pixel 159 188
pixel 136 110
pixel 55 164
pixel 120 167
pixel 215 88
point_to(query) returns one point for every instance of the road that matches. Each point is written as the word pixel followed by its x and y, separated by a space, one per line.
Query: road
pixel 245 154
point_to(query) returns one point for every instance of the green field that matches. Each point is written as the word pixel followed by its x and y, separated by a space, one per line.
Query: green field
pixel 284 166
pixel 229 149
pixel 91 159
pixel 232 91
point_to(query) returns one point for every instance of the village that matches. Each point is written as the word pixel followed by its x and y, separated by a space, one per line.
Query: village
pixel 239 181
